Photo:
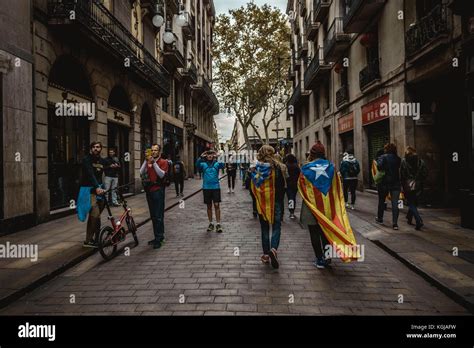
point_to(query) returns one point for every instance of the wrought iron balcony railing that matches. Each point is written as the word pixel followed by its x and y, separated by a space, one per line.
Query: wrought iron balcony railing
pixel 336 40
pixel 427 30
pixel 189 72
pixel 298 93
pixel 316 69
pixel 342 96
pixel 173 53
pixel 369 75
pixel 302 46
pixel 311 26
pixel 321 9
pixel 189 27
pixel 94 19
pixel 203 86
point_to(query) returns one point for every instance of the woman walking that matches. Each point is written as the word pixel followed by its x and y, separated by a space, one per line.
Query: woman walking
pixel 413 174
pixel 268 187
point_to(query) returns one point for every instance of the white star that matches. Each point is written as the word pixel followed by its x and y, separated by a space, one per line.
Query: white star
pixel 320 169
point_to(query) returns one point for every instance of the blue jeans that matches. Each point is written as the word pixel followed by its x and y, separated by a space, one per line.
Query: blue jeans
pixel 291 194
pixel 412 201
pixel 156 204
pixel 395 194
pixel 276 230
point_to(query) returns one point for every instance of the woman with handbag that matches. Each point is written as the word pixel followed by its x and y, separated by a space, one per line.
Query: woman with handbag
pixel 413 174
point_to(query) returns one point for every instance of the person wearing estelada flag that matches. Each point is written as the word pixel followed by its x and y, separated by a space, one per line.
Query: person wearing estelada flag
pixel 268 184
pixel 323 211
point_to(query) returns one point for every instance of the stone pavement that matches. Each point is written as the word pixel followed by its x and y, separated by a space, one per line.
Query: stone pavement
pixel 429 251
pixel 201 273
pixel 60 244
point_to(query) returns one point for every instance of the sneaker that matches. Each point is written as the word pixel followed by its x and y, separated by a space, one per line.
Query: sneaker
pixel 274 258
pixel 320 263
pixel 347 205
pixel 228 191
pixel 292 216
pixel 178 195
pixel 232 191
pixel 211 227
pixel 352 207
pixel 219 228
pixel 90 245
pixel 409 221
pixel 395 227
pixel 157 245
pixel 377 220
pixel 418 227
pixel 265 258
pixel 151 242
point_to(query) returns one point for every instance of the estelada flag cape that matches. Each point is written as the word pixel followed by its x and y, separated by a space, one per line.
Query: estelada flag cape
pixel 263 189
pixel 320 187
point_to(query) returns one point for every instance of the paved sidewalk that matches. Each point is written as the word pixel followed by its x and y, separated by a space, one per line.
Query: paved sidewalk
pixel 202 273
pixel 60 244
pixel 429 251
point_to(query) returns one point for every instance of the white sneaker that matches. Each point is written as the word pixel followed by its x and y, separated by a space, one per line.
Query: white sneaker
pixel 352 206
pixel 347 205
pixel 228 191
pixel 232 190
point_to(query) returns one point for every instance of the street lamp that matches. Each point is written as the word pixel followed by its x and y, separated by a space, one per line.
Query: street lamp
pixel 168 36
pixel 158 18
pixel 181 20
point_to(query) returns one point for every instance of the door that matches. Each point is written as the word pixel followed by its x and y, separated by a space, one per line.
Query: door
pixel 379 135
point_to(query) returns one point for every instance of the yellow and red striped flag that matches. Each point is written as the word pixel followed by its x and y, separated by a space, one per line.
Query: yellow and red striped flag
pixel 320 187
pixel 263 189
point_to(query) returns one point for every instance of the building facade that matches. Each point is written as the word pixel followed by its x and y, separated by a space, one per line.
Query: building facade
pixel 354 62
pixel 109 56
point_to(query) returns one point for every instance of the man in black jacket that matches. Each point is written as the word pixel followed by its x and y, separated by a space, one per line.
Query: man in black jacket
pixel 92 169
pixel 389 162
pixel 112 176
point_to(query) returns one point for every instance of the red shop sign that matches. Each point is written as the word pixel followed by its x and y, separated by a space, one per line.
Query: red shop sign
pixel 371 111
pixel 345 123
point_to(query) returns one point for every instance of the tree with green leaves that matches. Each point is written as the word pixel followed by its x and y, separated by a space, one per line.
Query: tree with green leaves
pixel 251 51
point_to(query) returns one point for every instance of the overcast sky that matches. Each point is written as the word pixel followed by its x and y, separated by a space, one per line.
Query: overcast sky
pixel 225 123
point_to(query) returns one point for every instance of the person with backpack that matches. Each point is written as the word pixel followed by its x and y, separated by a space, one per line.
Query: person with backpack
pixel 154 178
pixel 292 182
pixel 389 163
pixel 179 173
pixel 349 169
pixel 413 173
pixel 209 166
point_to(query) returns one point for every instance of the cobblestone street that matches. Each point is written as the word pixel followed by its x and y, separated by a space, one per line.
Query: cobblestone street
pixel 200 273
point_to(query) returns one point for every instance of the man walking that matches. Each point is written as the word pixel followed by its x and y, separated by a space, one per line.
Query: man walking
pixel 179 173
pixel 153 171
pixel 349 169
pixel 111 176
pixel 92 190
pixel 209 166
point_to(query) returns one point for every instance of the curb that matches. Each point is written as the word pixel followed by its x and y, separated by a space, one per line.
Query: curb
pixel 9 299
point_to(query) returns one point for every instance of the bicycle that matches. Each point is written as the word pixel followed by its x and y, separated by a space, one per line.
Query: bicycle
pixel 111 236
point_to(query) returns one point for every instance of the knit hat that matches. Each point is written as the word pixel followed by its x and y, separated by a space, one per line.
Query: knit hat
pixel 318 149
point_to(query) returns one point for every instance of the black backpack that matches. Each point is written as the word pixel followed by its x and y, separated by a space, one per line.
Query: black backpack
pixel 352 170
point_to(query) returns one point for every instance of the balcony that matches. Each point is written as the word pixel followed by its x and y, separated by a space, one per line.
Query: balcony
pixel 189 73
pixel 317 71
pixel 296 62
pixel 299 94
pixel 360 14
pixel 428 30
pixel 98 24
pixel 291 74
pixel 342 96
pixel 336 41
pixel 303 7
pixel 302 47
pixel 172 56
pixel 311 27
pixel 189 31
pixel 321 9
pixel 202 87
pixel 369 75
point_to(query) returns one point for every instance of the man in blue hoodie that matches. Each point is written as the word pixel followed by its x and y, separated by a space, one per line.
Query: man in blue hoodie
pixel 208 165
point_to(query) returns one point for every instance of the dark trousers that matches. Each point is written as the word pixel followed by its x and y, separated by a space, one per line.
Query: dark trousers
pixel 254 203
pixel 291 194
pixel 276 230
pixel 156 204
pixel 179 185
pixel 93 222
pixel 231 179
pixel 395 194
pixel 318 240
pixel 350 185
pixel 412 201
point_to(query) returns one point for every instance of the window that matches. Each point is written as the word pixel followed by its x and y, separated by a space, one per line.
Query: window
pixel 165 104
pixel 316 106
pixel 307 143
pixel 288 133
pixel 316 136
pixel 327 96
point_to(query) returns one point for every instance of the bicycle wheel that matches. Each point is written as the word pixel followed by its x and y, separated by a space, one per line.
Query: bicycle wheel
pixel 107 247
pixel 132 227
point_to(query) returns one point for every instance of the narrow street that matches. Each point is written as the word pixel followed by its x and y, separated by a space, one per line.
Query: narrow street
pixel 201 273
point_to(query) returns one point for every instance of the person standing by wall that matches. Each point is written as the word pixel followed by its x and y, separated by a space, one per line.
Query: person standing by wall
pixel 179 173
pixel 349 169
pixel 153 172
pixel 389 163
pixel 413 173
pixel 112 176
